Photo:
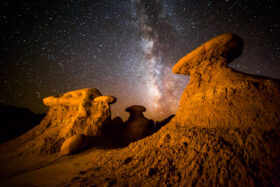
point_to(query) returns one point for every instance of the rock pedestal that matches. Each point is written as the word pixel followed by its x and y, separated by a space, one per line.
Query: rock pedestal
pixel 81 112
pixel 137 126
pixel 218 96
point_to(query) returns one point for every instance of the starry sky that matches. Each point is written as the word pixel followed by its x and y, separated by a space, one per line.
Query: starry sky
pixel 124 48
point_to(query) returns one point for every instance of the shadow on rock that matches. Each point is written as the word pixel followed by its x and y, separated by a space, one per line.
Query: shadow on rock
pixel 80 119
pixel 116 133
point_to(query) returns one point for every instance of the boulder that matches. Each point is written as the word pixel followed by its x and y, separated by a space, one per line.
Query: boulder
pixel 74 144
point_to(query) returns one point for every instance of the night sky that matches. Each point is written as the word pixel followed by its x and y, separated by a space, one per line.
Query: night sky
pixel 124 48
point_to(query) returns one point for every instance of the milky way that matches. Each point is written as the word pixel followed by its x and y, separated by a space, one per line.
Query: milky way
pixel 160 85
pixel 124 48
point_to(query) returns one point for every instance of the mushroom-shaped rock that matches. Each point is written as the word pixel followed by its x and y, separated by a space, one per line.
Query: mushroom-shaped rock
pixel 75 144
pixel 226 45
pixel 218 96
pixel 137 126
pixel 82 111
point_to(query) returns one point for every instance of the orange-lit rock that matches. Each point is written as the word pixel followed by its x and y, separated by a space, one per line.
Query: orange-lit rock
pixel 95 115
pixel 226 45
pixel 218 96
pixel 77 112
pixel 72 98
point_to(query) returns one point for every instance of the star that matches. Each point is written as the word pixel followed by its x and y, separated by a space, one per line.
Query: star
pixel 124 48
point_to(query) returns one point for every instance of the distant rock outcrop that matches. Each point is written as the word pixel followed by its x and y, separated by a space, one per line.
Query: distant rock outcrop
pixel 137 126
pixel 218 96
pixel 16 121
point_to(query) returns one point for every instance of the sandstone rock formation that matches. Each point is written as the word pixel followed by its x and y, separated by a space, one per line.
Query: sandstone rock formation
pixel 77 112
pixel 137 126
pixel 81 112
pixel 226 45
pixel 95 116
pixel 218 96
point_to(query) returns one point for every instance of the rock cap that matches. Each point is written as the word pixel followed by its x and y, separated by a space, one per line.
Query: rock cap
pixel 135 108
pixel 73 97
pixel 226 45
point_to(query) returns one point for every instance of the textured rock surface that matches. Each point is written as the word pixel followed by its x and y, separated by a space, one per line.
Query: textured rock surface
pixel 183 156
pixel 72 98
pixel 94 116
pixel 82 111
pixel 226 45
pixel 77 112
pixel 218 96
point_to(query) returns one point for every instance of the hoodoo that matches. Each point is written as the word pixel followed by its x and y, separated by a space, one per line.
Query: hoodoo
pixel 137 126
pixel 79 112
pixel 219 96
